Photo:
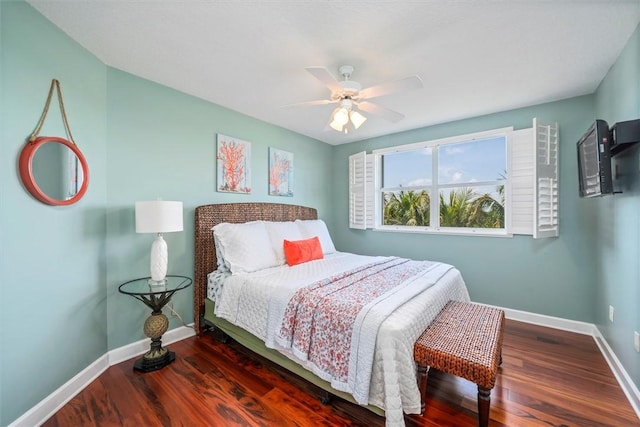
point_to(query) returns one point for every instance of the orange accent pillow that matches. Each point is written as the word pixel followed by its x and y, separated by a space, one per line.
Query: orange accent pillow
pixel 299 251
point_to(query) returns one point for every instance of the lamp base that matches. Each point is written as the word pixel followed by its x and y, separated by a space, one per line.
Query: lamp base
pixel 146 364
pixel 159 259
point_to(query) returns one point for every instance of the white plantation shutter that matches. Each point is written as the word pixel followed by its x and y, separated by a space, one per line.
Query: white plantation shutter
pixel 369 190
pixel 357 191
pixel 521 180
pixel 361 191
pixel 545 219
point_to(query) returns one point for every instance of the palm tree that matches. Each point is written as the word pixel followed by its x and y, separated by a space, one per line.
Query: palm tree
pixel 454 212
pixel 486 212
pixel 462 208
pixel 407 208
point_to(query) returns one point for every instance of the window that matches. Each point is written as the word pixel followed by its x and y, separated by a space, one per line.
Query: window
pixel 406 187
pixel 484 184
pixel 452 184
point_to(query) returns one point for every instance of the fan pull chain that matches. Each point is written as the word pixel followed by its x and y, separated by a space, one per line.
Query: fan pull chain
pixel 54 84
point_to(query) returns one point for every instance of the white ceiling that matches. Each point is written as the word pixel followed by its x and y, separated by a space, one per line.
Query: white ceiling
pixel 474 57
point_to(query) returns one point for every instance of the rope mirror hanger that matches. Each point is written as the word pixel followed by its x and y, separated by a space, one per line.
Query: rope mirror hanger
pixel 76 177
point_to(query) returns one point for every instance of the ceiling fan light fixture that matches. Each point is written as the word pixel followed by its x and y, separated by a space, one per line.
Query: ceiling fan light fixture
pixel 337 121
pixel 335 126
pixel 341 117
pixel 357 119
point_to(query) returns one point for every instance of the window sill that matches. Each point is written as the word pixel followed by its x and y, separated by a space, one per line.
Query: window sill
pixel 444 231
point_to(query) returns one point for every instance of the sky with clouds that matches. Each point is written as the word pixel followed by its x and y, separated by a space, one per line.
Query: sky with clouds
pixel 460 163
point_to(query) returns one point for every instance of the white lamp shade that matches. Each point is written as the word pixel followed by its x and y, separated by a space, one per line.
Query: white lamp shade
pixel 336 126
pixel 357 119
pixel 343 114
pixel 341 117
pixel 158 216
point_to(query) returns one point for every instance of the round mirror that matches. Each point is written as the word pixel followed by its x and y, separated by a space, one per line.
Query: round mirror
pixel 54 170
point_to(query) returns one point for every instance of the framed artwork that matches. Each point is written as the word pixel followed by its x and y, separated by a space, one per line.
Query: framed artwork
pixel 234 165
pixel 280 172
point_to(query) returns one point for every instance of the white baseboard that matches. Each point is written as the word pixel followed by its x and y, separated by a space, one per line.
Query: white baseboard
pixel 56 400
pixel 625 381
pixel 551 322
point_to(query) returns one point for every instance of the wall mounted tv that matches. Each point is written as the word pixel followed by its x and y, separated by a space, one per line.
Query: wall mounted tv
pixel 594 161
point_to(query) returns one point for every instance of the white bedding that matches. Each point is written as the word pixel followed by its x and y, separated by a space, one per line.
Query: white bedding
pixel 244 300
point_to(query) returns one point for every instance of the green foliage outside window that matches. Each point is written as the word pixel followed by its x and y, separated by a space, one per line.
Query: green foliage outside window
pixel 407 208
pixel 460 208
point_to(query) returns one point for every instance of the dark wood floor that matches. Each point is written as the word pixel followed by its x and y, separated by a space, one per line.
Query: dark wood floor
pixel 548 378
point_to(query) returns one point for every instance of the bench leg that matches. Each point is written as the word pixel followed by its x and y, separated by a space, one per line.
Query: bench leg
pixel 484 402
pixel 423 372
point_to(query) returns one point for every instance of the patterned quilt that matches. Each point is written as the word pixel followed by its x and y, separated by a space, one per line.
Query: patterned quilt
pixel 382 335
pixel 318 323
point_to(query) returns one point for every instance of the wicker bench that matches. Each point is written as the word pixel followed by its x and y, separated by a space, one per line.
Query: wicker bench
pixel 465 339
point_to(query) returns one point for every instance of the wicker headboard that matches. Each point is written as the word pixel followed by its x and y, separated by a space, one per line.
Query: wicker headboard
pixel 207 216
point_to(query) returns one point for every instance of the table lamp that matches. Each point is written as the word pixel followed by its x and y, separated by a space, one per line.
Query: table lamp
pixel 159 217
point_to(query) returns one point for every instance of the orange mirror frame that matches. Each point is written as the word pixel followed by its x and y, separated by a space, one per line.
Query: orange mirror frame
pixel 28 179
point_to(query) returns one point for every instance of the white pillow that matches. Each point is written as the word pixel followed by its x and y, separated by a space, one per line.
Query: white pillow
pixel 245 247
pixel 278 233
pixel 317 227
pixel 222 265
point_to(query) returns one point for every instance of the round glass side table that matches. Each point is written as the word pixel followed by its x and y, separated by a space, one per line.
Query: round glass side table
pixel 155 296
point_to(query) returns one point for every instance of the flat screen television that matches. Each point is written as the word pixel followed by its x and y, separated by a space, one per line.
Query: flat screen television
pixel 594 161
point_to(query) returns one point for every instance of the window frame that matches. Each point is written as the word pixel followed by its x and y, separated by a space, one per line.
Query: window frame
pixel 434 188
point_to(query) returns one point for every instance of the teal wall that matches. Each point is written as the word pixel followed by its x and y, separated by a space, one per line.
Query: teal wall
pixel 60 266
pixel 53 264
pixel 618 225
pixel 162 143
pixel 546 276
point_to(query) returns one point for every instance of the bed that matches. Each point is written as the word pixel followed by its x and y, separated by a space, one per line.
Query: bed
pixel 391 388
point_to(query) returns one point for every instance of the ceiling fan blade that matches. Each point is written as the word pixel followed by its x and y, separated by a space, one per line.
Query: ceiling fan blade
pixel 311 103
pixel 322 74
pixel 402 85
pixel 375 109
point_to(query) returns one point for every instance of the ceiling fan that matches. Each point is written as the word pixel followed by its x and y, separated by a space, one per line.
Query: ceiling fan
pixel 350 97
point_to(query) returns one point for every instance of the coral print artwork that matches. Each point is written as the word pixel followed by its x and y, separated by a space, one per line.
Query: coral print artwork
pixel 234 165
pixel 280 172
